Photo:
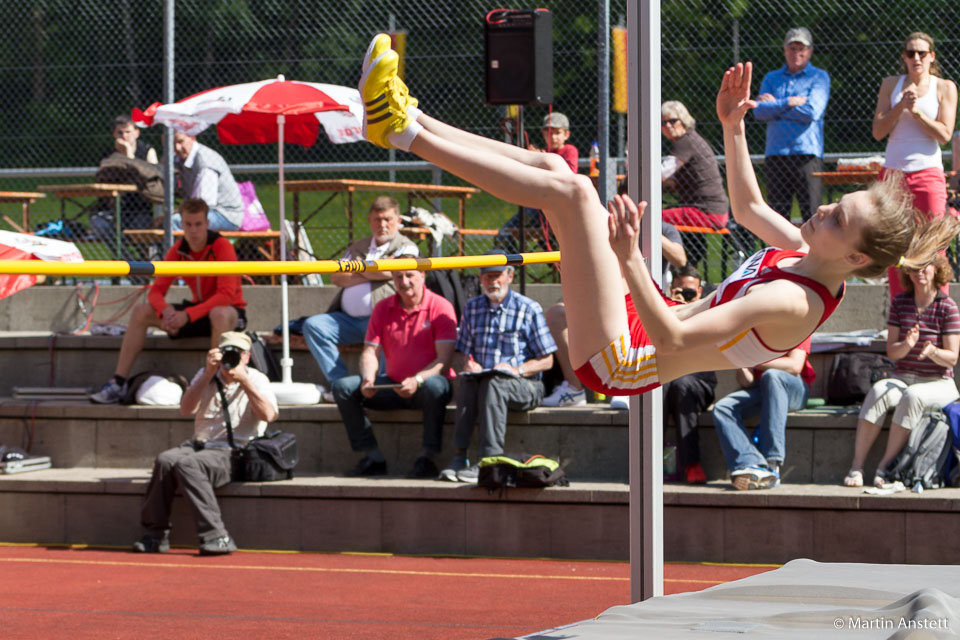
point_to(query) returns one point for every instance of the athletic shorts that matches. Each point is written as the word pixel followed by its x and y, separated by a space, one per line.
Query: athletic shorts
pixel 628 365
pixel 200 328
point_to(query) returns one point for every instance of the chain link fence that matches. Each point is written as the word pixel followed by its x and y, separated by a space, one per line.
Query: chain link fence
pixel 68 67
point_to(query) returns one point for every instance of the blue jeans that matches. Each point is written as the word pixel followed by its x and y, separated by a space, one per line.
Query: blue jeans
pixel 325 331
pixel 216 220
pixel 432 397
pixel 771 397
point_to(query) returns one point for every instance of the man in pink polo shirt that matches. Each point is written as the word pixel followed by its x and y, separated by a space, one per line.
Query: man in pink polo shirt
pixel 416 330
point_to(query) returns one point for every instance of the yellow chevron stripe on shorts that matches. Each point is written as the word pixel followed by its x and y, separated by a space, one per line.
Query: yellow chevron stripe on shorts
pixel 622 366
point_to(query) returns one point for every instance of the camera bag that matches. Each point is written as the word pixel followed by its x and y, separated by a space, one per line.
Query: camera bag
pixel 265 459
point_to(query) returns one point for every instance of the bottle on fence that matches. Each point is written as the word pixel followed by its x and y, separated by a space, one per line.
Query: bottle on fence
pixel 595 159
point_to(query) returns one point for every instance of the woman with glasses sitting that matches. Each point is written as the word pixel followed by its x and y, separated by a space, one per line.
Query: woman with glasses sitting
pixel 917 110
pixel 691 172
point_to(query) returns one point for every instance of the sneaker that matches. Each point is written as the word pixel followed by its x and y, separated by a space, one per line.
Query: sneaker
pixel 218 546
pixel 386 100
pixel 564 395
pixel 423 467
pixel 619 402
pixel 694 474
pixel 110 393
pixel 368 467
pixel 151 544
pixel 457 463
pixel 326 395
pixel 750 478
pixel 470 474
pixel 380 44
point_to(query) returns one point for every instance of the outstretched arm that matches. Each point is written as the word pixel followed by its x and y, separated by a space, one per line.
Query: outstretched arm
pixel 746 200
pixel 782 305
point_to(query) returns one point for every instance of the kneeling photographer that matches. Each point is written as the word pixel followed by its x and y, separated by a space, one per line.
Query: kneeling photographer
pixel 224 389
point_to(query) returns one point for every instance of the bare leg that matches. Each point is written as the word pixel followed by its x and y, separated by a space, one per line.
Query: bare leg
pixel 867 433
pixel 141 318
pixel 592 285
pixel 896 441
pixel 549 161
pixel 557 321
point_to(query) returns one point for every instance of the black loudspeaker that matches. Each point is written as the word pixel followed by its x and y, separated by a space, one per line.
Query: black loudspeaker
pixel 519 56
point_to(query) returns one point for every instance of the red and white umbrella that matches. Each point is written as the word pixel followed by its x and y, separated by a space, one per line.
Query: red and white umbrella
pixel 247 113
pixel 266 112
pixel 22 246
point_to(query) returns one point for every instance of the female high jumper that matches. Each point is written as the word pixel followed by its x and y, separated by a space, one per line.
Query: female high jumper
pixel 772 303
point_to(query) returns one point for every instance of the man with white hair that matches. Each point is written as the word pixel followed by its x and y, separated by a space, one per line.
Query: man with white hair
pixel 503 346
pixel 792 101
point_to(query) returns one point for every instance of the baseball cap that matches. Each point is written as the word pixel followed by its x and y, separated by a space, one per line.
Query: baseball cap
pixel 235 339
pixel 497 268
pixel 556 120
pixel 799 34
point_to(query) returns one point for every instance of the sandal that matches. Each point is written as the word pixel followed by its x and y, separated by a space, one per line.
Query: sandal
pixel 854 478
pixel 880 478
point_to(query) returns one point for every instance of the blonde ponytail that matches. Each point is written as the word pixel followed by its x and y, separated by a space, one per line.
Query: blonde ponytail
pixel 897 234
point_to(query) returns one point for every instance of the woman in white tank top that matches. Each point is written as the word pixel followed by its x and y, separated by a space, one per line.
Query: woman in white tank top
pixel 917 110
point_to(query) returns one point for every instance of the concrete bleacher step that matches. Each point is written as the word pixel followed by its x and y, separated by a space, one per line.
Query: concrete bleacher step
pixel 591 442
pixel 588 520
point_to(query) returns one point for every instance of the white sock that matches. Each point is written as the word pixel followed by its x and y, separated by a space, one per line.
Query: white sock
pixel 404 139
pixel 414 112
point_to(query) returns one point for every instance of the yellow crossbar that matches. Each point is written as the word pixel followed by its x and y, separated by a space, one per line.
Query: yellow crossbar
pixel 266 268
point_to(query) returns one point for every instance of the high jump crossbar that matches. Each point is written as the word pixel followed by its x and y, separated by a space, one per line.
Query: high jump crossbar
pixel 267 268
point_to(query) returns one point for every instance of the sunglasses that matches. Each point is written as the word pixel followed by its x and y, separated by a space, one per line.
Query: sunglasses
pixel 687 293
pixel 911 53
pixel 669 121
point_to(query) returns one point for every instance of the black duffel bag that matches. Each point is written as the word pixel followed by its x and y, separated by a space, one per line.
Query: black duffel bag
pixel 264 459
pixel 272 457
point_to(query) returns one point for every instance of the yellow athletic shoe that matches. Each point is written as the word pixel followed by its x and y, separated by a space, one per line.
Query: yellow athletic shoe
pixel 378 46
pixel 386 99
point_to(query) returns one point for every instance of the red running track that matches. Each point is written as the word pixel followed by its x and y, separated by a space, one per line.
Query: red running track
pixel 78 593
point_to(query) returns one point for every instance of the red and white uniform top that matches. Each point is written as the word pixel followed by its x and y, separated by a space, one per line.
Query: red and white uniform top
pixel 747 349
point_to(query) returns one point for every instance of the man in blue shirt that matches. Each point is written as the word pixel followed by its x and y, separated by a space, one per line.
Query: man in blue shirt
pixel 792 101
pixel 503 346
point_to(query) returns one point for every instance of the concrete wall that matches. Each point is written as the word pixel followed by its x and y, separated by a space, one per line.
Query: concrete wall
pixel 57 308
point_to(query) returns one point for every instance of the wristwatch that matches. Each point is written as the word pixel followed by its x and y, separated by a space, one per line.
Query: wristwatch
pixel 419 379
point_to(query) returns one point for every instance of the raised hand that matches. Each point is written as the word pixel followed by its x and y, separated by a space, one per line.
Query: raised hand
pixel 624 225
pixel 733 99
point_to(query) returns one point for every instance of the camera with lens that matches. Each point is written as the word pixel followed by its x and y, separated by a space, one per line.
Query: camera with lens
pixel 230 357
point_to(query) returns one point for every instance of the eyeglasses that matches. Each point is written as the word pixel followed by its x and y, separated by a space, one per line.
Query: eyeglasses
pixel 911 53
pixel 669 121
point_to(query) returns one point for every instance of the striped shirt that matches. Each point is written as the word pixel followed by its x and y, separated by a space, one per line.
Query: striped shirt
pixel 512 332
pixel 937 320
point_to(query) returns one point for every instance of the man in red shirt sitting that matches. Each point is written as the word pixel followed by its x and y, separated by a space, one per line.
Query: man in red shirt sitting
pixel 217 305
pixel 416 330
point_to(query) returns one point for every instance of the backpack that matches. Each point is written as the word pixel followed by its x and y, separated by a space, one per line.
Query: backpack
pixel 137 381
pixel 951 474
pixel 925 455
pixel 521 471
pixel 454 287
pixel 852 375
pixel 262 358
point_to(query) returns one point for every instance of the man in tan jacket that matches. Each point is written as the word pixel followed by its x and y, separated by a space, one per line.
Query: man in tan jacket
pixel 345 322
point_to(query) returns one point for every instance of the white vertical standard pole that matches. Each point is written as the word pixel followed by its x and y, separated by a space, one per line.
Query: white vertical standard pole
pixel 643 169
pixel 286 362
